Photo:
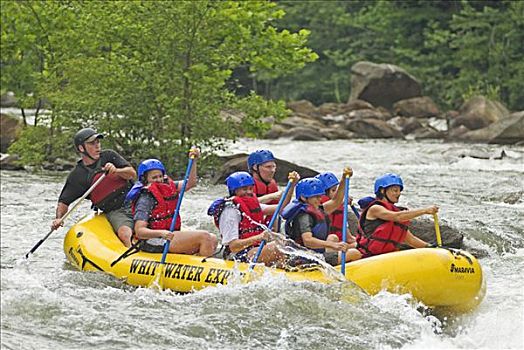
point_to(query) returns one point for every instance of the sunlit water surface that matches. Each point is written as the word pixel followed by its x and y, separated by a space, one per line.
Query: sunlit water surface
pixel 45 304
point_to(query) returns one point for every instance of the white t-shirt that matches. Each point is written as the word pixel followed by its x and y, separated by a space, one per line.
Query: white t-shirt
pixel 229 222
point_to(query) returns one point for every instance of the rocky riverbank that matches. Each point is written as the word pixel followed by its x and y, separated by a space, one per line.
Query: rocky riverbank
pixel 387 102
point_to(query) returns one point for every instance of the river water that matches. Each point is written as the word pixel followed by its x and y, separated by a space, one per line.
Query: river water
pixel 45 304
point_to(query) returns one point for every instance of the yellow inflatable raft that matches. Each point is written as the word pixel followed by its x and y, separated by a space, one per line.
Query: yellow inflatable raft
pixel 437 277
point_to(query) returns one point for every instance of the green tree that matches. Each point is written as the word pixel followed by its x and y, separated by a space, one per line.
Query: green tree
pixel 152 75
pixel 455 48
pixel 488 46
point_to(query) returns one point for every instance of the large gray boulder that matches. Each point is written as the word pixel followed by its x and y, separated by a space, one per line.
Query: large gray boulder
pixel 368 113
pixel 416 107
pixel 304 133
pixel 425 230
pixel 382 84
pixel 332 109
pixel 8 100
pixel 275 132
pixel 479 112
pixel 302 107
pixel 10 127
pixel 425 132
pixel 337 132
pixel 238 162
pixel 509 130
pixel 373 128
pixel 10 162
pixel 300 120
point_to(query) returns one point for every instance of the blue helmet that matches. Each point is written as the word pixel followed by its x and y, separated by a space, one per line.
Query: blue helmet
pixel 258 157
pixel 386 181
pixel 148 165
pixel 328 179
pixel 237 180
pixel 309 187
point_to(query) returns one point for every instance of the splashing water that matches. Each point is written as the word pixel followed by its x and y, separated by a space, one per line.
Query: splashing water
pixel 46 304
pixel 294 250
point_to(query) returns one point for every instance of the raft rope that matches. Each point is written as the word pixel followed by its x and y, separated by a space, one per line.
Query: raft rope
pixel 135 248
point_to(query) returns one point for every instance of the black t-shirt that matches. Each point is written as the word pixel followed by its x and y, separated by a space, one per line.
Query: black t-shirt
pixel 79 179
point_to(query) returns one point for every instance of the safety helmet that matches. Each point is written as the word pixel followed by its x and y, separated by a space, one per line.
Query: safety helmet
pixel 309 187
pixel 258 157
pixel 388 180
pixel 148 165
pixel 328 180
pixel 237 180
pixel 83 135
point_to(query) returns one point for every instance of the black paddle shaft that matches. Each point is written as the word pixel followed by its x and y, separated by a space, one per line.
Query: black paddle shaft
pixel 38 244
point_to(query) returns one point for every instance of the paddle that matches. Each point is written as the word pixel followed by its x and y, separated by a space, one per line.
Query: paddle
pixel 67 214
pixel 437 230
pixel 160 273
pixel 345 225
pixel 273 218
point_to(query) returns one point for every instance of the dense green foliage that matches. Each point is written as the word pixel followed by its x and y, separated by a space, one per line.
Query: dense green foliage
pixel 455 48
pixel 151 75
pixel 157 76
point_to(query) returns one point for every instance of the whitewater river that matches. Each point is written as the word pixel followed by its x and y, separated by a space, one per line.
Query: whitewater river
pixel 45 304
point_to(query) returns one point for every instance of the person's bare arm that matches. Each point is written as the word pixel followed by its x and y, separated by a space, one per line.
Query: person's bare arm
pixel 414 241
pixel 237 245
pixel 143 232
pixel 61 210
pixel 332 204
pixel 193 177
pixel 379 212
pixel 270 197
pixel 312 242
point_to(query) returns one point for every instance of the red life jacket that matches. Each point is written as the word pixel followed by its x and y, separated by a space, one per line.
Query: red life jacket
pixel 261 189
pixel 166 196
pixel 250 213
pixel 336 219
pixel 111 186
pixel 386 236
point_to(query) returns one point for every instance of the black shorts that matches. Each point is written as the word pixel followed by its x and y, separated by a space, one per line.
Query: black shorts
pixel 150 248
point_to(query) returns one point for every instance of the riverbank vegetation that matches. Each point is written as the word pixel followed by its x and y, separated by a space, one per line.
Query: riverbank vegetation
pixel 152 75
pixel 158 76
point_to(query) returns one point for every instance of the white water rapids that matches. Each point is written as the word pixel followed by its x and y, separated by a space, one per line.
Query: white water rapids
pixel 45 304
